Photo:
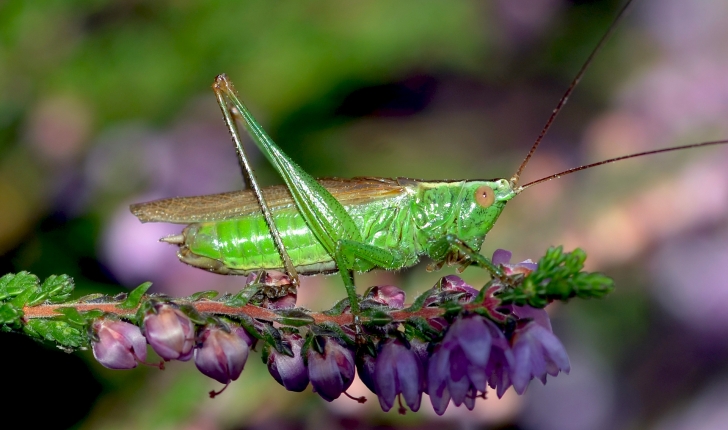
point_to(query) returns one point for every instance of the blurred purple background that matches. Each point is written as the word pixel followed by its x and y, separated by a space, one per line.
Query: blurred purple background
pixel 103 104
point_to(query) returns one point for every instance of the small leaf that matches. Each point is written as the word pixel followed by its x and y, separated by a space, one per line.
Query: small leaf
pixel 72 315
pixel 60 332
pixel 272 337
pixel 338 308
pixel 12 285
pixel 135 296
pixel 331 329
pixel 94 298
pixel 193 315
pixel 376 317
pixel 242 297
pixel 420 301
pixel 294 317
pixel 451 308
pixel 206 295
pixel 58 288
pixel 9 314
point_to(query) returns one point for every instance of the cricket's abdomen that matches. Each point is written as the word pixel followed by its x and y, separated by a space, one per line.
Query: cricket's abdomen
pixel 243 245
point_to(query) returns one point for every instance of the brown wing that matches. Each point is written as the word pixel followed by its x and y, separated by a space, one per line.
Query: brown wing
pixel 217 207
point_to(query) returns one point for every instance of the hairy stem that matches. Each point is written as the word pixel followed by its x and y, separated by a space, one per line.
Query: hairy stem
pixel 217 308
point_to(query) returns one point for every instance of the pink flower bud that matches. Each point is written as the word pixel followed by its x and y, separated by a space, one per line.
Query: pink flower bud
pixel 332 372
pixel 289 371
pixel 387 295
pixel 223 353
pixel 120 345
pixel 170 332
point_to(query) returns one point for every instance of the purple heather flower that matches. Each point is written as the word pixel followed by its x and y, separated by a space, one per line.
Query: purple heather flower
pixel 332 372
pixel 499 365
pixel 120 345
pixel 458 369
pixel 387 295
pixel 398 370
pixel 539 316
pixel 456 284
pixel 537 352
pixel 289 371
pixel 284 302
pixel 503 258
pixel 365 369
pixel 223 353
pixel 170 332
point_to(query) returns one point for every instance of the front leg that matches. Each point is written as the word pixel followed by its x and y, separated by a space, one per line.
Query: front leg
pixel 442 249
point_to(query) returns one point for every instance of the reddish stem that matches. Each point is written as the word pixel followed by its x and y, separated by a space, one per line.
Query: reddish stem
pixel 203 306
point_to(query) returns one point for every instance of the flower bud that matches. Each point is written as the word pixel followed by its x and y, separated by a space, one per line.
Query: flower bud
pixel 455 284
pixel 331 372
pixel 289 371
pixel 503 258
pixel 284 302
pixel 387 295
pixel 120 345
pixel 223 353
pixel 170 332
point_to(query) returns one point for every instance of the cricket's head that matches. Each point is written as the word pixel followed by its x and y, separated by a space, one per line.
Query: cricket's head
pixel 479 206
pixel 467 209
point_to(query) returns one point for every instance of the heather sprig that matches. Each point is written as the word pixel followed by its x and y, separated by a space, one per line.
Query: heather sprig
pixel 452 343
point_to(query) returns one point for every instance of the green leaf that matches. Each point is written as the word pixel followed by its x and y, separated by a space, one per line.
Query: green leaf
pixel 206 295
pixel 72 315
pixel 58 331
pixel 94 298
pixel 338 308
pixel 135 297
pixel 20 287
pixel 376 317
pixel 420 301
pixel 559 276
pixel 9 314
pixel 193 315
pixel 272 337
pixel 242 297
pixel 420 327
pixel 55 289
pixel 294 318
pixel 331 329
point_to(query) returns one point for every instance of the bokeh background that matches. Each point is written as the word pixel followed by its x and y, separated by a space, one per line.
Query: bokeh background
pixel 106 103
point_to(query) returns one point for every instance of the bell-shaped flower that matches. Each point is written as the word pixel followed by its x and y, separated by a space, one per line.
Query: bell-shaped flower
pixel 289 371
pixel 458 369
pixel 398 371
pixel 118 344
pixel 537 352
pixel 223 352
pixel 169 331
pixel 332 371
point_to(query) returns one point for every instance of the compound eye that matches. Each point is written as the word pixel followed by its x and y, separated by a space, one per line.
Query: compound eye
pixel 485 196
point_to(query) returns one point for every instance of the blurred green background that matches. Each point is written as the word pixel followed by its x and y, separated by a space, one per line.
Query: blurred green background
pixel 106 103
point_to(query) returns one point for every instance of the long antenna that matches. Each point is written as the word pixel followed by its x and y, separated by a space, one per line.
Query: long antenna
pixel 517 176
pixel 624 157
